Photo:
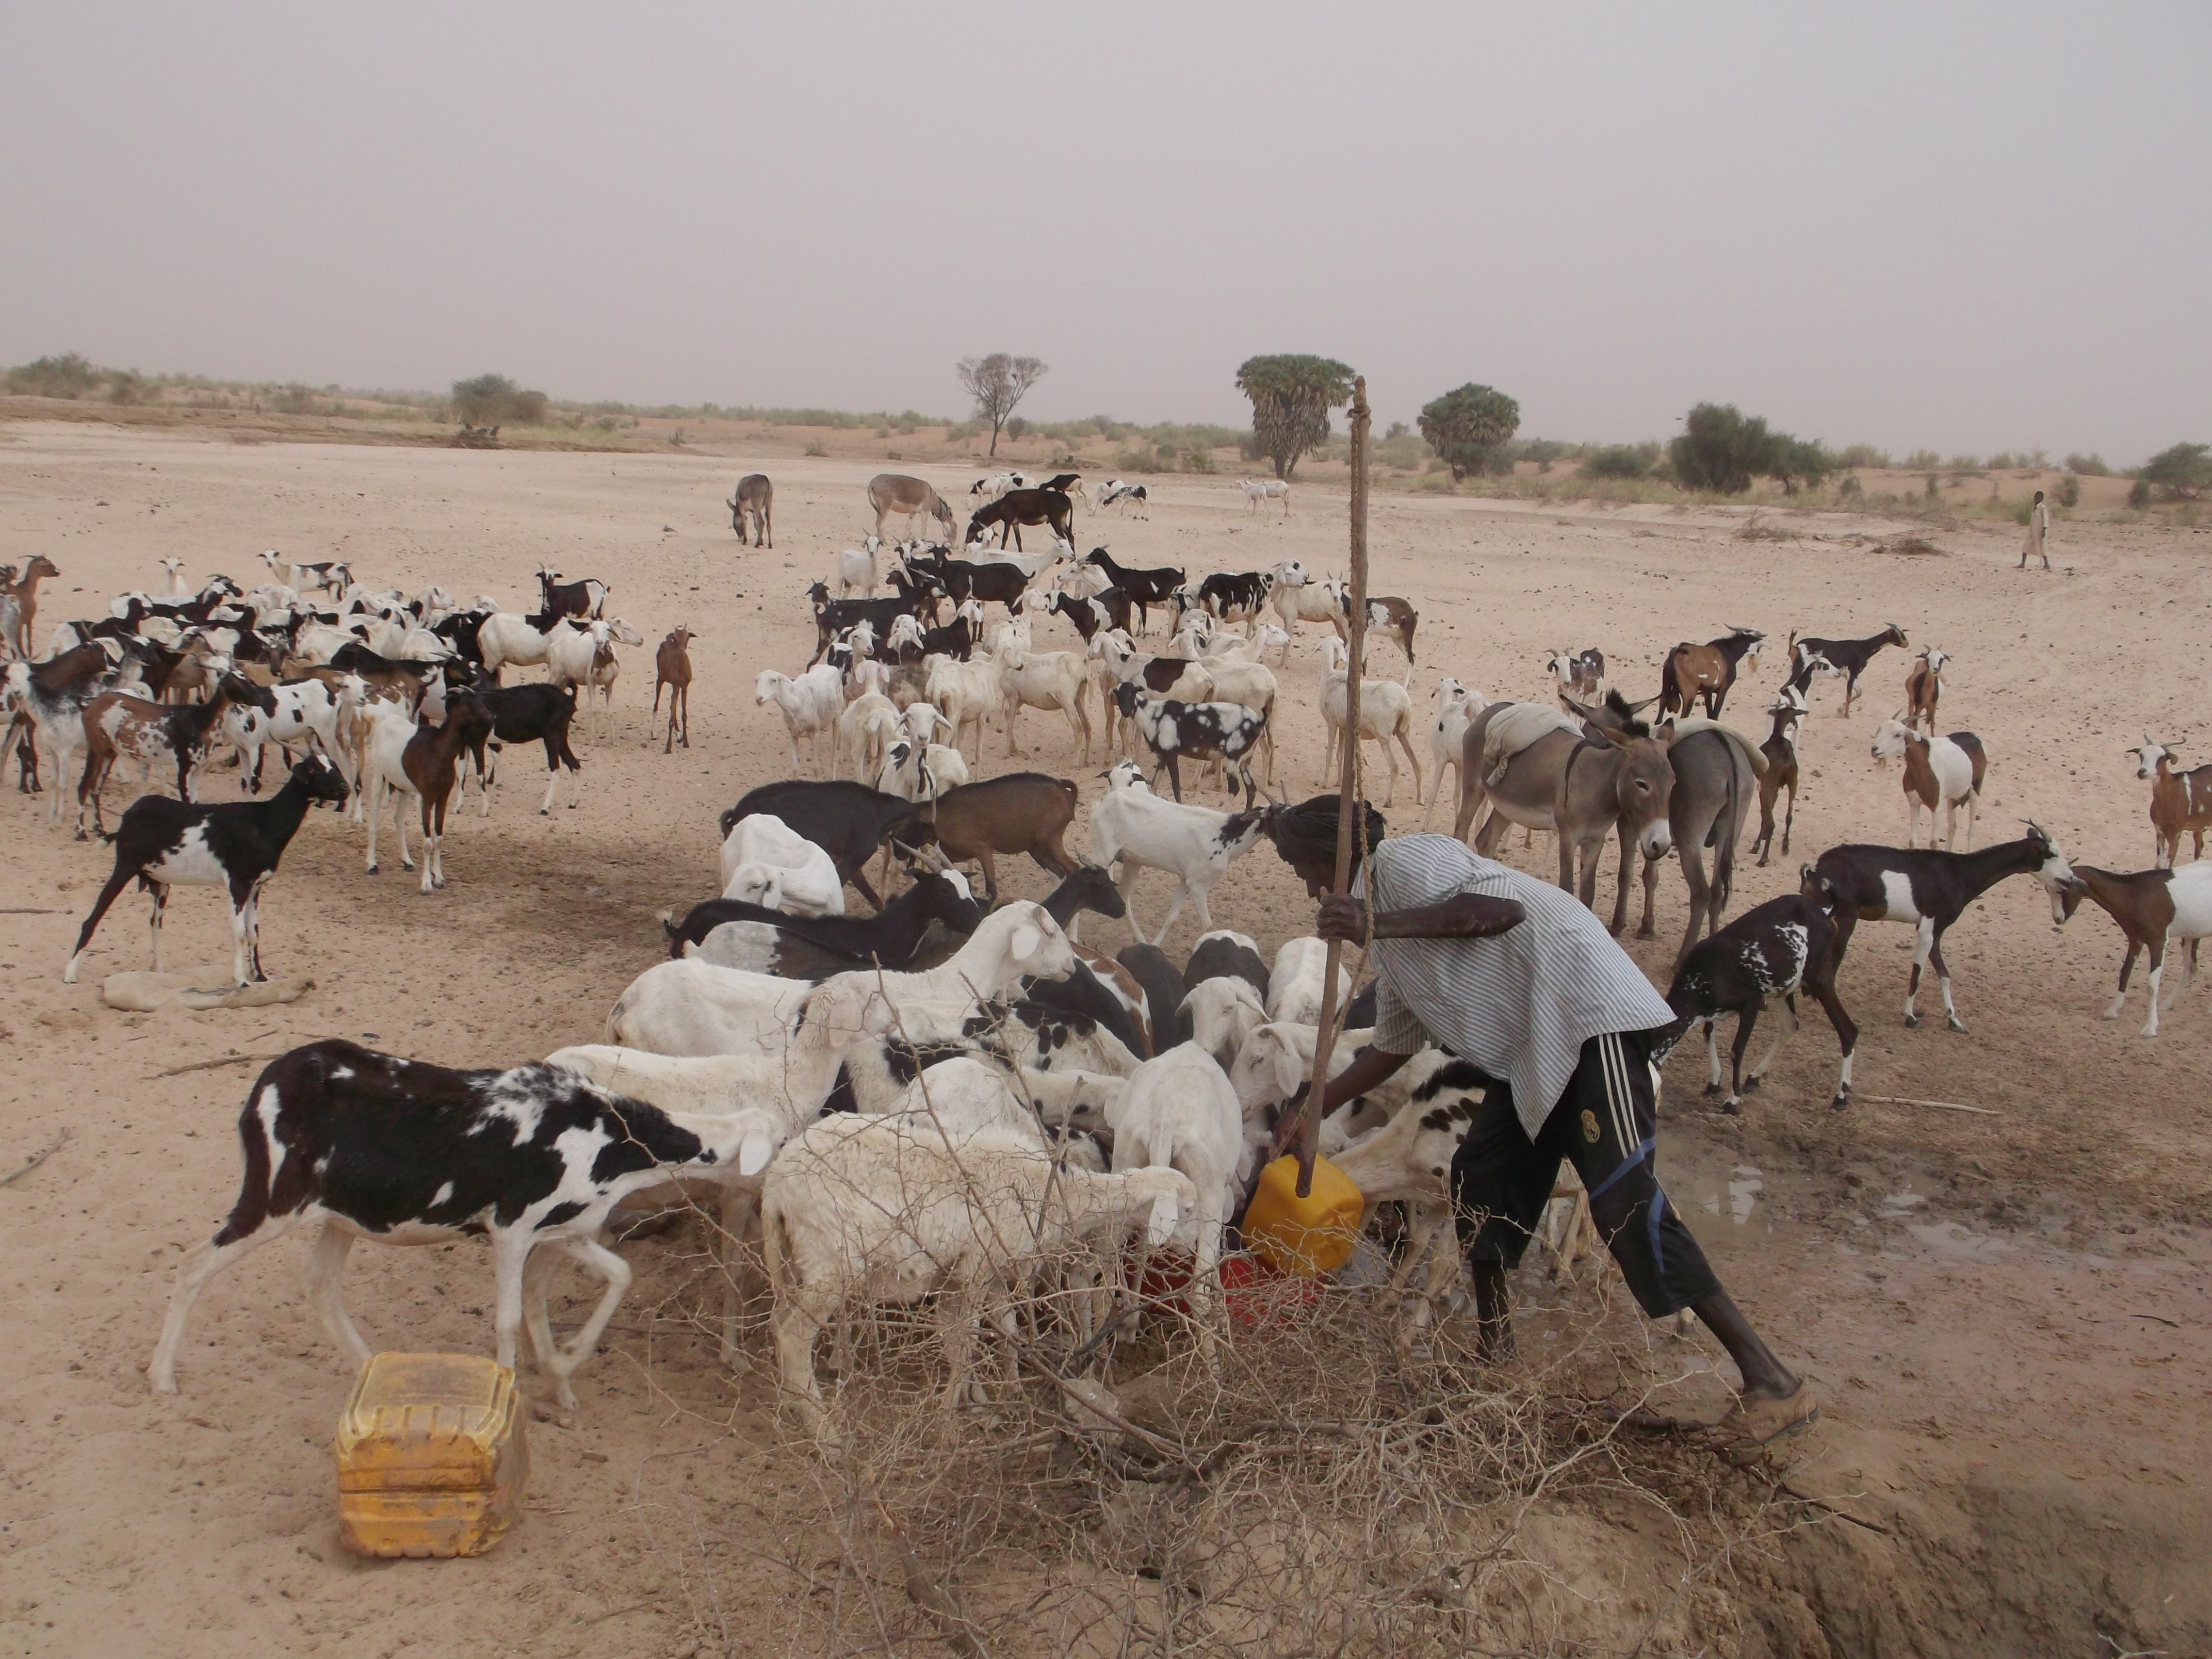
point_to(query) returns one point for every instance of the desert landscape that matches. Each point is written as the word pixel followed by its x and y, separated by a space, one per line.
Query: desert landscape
pixel 2002 1307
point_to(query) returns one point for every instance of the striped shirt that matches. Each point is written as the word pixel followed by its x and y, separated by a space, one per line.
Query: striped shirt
pixel 1519 1006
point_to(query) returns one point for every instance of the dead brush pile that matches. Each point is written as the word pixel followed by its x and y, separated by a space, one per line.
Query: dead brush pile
pixel 1328 1488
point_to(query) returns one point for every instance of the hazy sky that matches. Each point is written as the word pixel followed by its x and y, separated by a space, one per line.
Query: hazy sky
pixel 1973 228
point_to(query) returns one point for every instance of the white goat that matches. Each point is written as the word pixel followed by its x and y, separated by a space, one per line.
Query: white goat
pixel 1296 984
pixel 1456 708
pixel 504 640
pixel 768 863
pixel 1132 827
pixel 692 1007
pixel 1044 679
pixel 810 703
pixel 869 1210
pixel 1179 1112
pixel 1386 713
pixel 863 729
pixel 1297 598
pixel 856 567
pixel 967 692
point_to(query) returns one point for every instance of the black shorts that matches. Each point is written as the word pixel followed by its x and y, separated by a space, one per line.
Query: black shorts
pixel 1604 1124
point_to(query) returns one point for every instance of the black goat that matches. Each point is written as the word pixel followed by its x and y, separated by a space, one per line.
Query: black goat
pixel 235 846
pixel 1144 587
pixel 1929 890
pixel 587 598
pixel 1777 949
pixel 847 820
pixel 834 616
pixel 537 712
pixel 764 941
pixel 963 580
pixel 1017 507
pixel 1843 658
pixel 1107 609
pixel 1150 967
pixel 1236 598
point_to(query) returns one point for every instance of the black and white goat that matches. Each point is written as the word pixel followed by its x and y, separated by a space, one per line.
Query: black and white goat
pixel 1929 890
pixel 374 1146
pixel 1777 949
pixel 1145 588
pixel 537 712
pixel 587 598
pixel 1171 730
pixel 1843 660
pixel 235 846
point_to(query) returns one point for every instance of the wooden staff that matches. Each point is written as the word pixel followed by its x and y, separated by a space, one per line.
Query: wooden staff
pixel 1348 797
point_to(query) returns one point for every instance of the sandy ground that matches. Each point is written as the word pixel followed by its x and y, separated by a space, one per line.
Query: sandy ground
pixel 2005 1314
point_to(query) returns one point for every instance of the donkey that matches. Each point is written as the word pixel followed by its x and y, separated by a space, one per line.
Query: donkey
pixel 754 505
pixel 1583 788
pixel 898 492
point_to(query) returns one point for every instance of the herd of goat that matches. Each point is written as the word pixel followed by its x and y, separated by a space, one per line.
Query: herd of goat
pixel 945 1096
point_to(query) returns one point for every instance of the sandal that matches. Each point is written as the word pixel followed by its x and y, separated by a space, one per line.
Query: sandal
pixel 1753 1424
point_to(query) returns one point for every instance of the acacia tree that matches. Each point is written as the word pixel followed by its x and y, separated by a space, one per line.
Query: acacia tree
pixel 2180 471
pixel 997 383
pixel 495 400
pixel 1466 427
pixel 1291 396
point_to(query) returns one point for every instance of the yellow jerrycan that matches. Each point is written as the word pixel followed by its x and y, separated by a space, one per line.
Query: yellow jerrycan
pixel 1311 1235
pixel 430 1454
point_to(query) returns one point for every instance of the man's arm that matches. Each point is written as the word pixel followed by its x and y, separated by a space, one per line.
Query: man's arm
pixel 1464 916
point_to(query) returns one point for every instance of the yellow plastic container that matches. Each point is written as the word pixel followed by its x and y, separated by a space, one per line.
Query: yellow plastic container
pixel 1311 1235
pixel 431 1457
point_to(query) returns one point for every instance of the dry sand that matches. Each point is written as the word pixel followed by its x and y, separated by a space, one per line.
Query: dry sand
pixel 2005 1314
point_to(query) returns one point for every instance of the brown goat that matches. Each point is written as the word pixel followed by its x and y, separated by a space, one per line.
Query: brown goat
pixel 432 761
pixel 2180 802
pixel 1924 687
pixel 1780 749
pixel 24 591
pixel 671 667
pixel 115 723
pixel 1015 813
pixel 1387 614
pixel 1706 670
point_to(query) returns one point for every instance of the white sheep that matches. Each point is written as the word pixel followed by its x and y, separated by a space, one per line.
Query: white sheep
pixel 874 1211
pixel 810 704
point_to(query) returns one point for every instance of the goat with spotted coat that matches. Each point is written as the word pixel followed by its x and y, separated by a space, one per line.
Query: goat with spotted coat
pixel 1775 949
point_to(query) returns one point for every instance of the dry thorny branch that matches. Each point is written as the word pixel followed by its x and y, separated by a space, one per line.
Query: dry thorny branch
pixel 1329 1487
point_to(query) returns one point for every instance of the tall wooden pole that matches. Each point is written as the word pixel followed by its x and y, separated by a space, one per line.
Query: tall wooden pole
pixel 1348 790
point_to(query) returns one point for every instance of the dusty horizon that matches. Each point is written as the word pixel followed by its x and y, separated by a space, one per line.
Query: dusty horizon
pixel 1967 232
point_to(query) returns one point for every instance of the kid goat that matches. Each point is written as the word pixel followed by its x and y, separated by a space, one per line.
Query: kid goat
pixel 1843 659
pixel 1777 949
pixel 1930 891
pixel 235 846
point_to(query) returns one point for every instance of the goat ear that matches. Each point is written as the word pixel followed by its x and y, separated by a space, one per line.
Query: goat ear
pixel 755 1151
pixel 1289 1070
pixel 1025 942
pixel 1166 1213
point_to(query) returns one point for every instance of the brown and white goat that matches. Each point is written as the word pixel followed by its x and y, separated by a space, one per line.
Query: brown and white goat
pixel 1924 687
pixel 1789 711
pixel 2180 802
pixel 1939 772
pixel 2154 909
pixel 117 723
pixel 23 592
pixel 671 667
pixel 1706 671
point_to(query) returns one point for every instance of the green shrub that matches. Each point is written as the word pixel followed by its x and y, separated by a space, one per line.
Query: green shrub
pixel 1197 461
pixel 2181 471
pixel 1965 463
pixel 2139 493
pixel 1469 426
pixel 2089 467
pixel 1722 449
pixel 2005 461
pixel 1620 461
pixel 495 400
pixel 66 376
pixel 2070 492
pixel 1922 460
pixel 1858 455
pixel 815 446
